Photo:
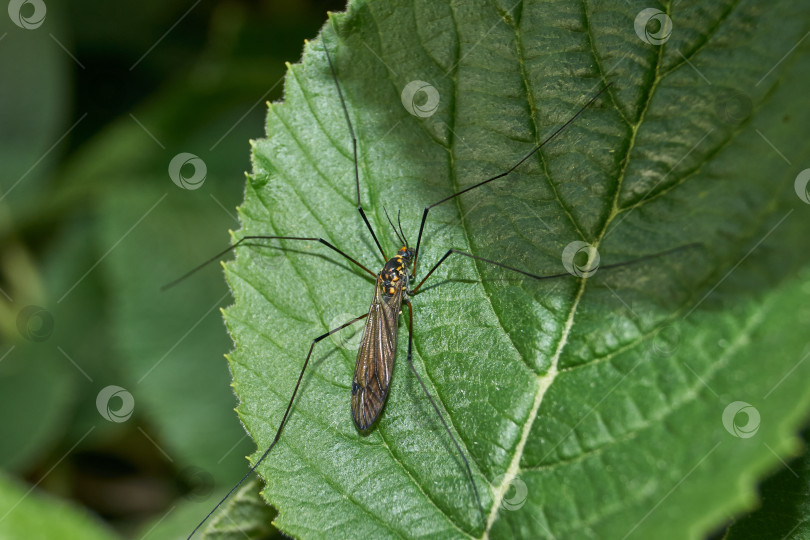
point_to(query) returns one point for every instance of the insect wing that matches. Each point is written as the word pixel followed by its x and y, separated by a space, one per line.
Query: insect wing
pixel 375 359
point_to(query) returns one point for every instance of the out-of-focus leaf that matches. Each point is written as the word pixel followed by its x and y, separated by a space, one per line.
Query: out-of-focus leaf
pixel 154 231
pixel 33 104
pixel 27 514
pixel 785 505
pixel 61 355
pixel 36 385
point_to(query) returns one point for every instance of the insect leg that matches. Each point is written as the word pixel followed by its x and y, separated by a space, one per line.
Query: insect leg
pixel 354 149
pixel 283 419
pixel 547 276
pixel 501 175
pixel 260 237
pixel 436 408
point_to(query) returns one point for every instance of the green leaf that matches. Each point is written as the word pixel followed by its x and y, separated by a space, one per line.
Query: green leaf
pixel 244 515
pixel 785 507
pixel 48 381
pixel 37 387
pixel 34 106
pixel 586 407
pixel 33 515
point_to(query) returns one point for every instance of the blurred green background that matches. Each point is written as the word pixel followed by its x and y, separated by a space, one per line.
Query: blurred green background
pixel 95 101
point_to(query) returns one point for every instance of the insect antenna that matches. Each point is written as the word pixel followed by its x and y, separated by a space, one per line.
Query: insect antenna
pixel 400 238
pixel 399 222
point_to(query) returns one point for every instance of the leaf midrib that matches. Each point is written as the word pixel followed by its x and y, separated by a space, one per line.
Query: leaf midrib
pixel 544 382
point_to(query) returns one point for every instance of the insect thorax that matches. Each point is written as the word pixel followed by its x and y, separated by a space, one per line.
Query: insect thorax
pixel 394 275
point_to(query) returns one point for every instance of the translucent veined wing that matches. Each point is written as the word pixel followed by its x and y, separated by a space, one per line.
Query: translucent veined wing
pixel 375 359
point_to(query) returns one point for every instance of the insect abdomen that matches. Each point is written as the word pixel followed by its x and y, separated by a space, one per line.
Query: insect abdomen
pixel 375 358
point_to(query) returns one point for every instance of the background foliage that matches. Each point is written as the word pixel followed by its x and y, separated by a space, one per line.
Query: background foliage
pixel 201 89
pixel 91 225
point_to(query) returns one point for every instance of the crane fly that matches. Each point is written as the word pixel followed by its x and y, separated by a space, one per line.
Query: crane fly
pixel 375 358
pixel 377 351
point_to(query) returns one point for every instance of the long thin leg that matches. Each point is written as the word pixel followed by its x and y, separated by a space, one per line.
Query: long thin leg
pixel 512 168
pixel 224 251
pixel 283 419
pixel 548 276
pixel 436 408
pixel 354 148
